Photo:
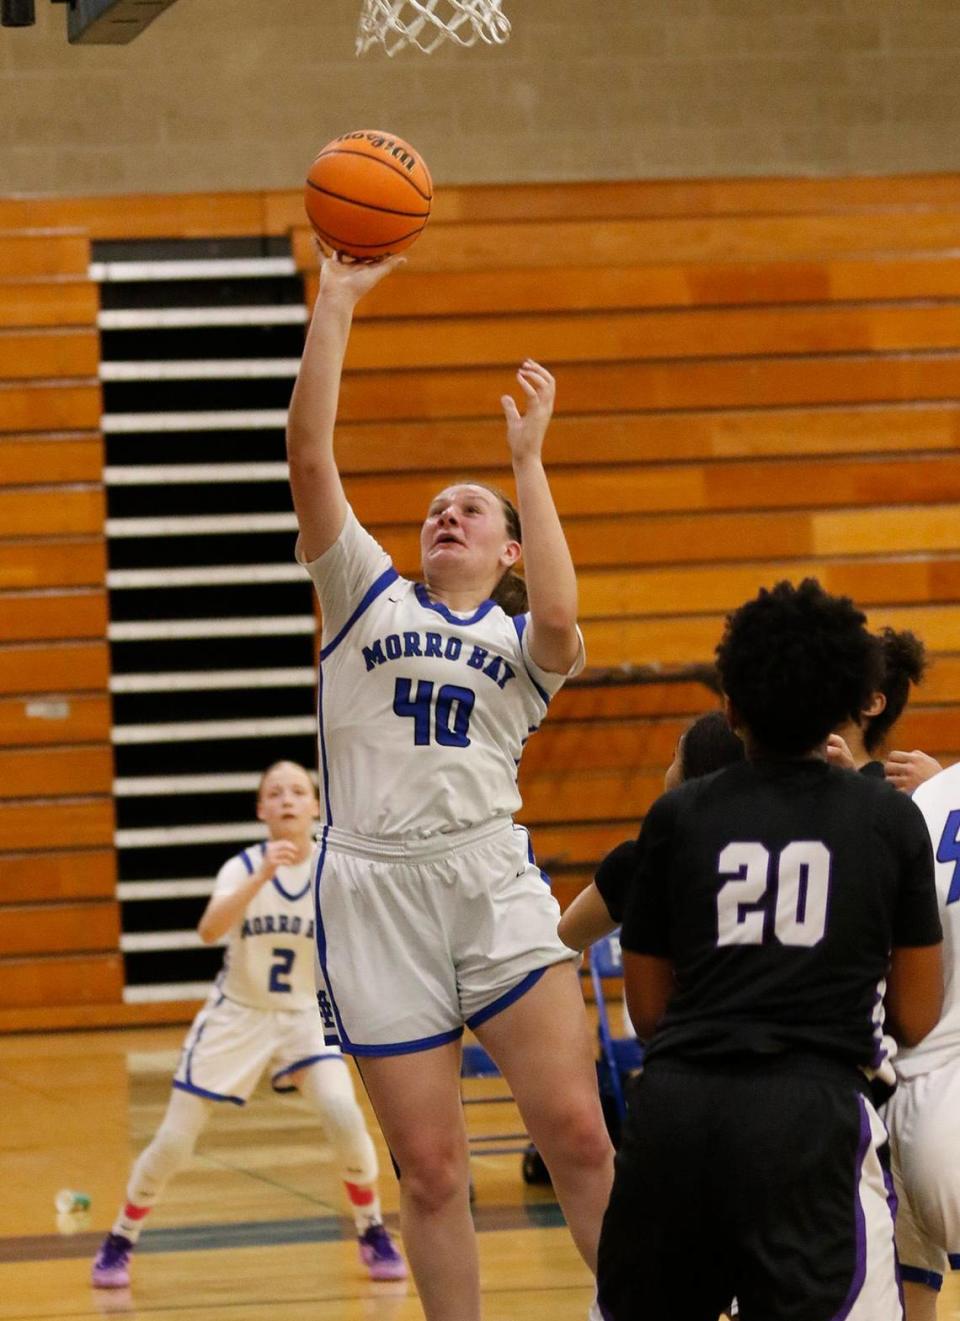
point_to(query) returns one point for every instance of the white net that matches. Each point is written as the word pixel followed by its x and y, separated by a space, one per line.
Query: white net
pixel 428 23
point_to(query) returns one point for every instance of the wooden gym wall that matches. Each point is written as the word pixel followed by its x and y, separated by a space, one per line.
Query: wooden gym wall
pixel 757 379
pixel 59 927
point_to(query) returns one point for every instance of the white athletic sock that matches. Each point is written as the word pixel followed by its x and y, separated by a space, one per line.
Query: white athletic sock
pixel 169 1151
pixel 328 1088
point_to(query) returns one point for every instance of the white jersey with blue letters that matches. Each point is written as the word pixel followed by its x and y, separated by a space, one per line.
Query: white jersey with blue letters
pixel 924 1114
pixel 939 800
pixel 269 959
pixel 423 714
pixel 261 1014
pixel 431 912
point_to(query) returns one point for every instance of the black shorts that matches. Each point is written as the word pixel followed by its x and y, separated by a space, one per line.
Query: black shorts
pixel 767 1182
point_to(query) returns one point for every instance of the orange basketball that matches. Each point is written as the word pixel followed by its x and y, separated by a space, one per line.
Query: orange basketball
pixel 368 194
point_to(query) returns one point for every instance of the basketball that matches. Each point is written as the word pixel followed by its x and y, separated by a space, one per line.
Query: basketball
pixel 368 194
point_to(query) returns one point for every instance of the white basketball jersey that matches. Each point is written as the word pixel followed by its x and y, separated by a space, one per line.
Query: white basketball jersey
pixel 269 959
pixel 423 714
pixel 939 801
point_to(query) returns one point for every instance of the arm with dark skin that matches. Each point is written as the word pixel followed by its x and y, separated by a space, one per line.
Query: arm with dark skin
pixel 648 981
pixel 914 998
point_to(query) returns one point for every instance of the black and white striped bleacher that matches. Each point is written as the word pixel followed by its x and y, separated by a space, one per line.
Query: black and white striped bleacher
pixel 212 625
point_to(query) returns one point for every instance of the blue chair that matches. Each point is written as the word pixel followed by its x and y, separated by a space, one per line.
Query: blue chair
pixel 619 1056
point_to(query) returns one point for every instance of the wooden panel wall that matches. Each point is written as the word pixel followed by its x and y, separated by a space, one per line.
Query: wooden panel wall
pixel 757 378
pixel 59 924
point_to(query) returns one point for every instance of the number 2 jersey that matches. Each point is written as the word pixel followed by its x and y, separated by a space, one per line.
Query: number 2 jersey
pixel 270 954
pixel 939 800
pixel 778 889
pixel 423 713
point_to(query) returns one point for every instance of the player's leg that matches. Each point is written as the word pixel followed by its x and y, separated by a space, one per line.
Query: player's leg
pixel 327 1088
pixel 541 1043
pixel 924 1122
pixel 170 1150
pixel 809 1196
pixel 664 1252
pixel 919 1301
pixel 417 1102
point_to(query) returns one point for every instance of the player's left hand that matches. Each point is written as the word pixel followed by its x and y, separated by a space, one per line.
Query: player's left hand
pixel 838 754
pixel 908 770
pixel 525 432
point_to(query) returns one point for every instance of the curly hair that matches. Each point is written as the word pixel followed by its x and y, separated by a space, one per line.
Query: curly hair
pixel 708 745
pixel 794 662
pixel 904 663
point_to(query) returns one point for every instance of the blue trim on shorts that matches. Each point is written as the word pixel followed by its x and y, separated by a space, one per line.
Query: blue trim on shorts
pixel 507 999
pixel 954 1260
pixel 403 1047
pixel 370 595
pixel 300 1064
pixel 439 608
pixel 532 858
pixel 520 624
pixel 917 1275
pixel 321 936
pixel 208 1096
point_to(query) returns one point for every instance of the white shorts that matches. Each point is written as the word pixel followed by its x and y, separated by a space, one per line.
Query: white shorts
pixel 420 937
pixel 229 1047
pixel 923 1117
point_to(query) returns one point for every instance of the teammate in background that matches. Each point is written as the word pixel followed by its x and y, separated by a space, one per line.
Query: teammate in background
pixel 431 911
pixel 261 1013
pixel 861 737
pixel 770 905
pixel 707 746
pixel 923 1115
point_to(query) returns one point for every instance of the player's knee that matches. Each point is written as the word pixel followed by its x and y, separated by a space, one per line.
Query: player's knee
pixel 341 1116
pixel 580 1136
pixel 174 1145
pixel 433 1178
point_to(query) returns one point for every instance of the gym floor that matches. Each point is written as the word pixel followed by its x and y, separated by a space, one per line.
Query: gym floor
pixel 253 1228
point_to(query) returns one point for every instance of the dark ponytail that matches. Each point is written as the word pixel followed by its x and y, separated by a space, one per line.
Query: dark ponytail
pixel 904 663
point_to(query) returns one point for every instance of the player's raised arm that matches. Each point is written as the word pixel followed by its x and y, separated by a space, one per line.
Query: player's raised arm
pixel 317 491
pixel 548 568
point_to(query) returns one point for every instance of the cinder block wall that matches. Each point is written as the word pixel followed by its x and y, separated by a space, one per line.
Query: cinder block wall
pixel 239 94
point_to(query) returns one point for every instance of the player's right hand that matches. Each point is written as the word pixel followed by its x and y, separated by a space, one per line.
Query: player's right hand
pixel 346 277
pixel 279 853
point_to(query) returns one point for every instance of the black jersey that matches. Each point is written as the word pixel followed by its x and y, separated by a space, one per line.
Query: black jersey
pixel 613 877
pixel 778 890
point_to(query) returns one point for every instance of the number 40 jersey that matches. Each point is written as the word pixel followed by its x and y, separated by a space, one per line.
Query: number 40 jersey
pixel 269 959
pixel 423 713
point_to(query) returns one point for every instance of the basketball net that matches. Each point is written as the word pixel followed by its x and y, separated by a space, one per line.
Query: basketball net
pixel 426 24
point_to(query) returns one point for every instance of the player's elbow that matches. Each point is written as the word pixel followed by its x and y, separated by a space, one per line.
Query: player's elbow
pixel 207 931
pixel 914 999
pixel 913 1021
pixel 649 985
